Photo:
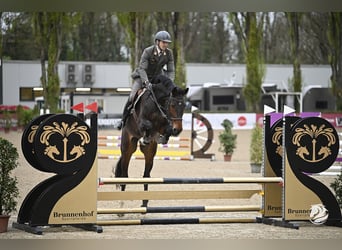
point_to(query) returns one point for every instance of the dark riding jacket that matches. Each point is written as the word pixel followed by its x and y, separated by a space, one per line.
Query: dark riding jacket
pixel 152 64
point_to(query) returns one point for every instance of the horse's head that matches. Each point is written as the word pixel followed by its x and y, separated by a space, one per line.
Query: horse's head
pixel 171 100
pixel 175 108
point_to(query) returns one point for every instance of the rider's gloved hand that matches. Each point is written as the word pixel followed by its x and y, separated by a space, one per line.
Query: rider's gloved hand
pixel 148 85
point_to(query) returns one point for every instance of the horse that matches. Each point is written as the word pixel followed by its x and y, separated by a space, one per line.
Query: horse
pixel 157 110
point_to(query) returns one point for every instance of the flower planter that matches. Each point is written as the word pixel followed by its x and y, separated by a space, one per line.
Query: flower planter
pixel 4 223
pixel 227 157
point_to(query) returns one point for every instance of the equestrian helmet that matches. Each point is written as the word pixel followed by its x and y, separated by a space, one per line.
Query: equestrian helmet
pixel 163 36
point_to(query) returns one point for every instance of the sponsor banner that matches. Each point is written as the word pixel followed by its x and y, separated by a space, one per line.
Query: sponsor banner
pixel 239 120
pixel 334 119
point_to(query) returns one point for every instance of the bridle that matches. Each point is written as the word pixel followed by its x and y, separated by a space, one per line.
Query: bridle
pixel 165 111
pixel 169 102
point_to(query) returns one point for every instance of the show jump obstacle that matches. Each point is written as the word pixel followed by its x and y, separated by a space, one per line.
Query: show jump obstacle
pixel 63 144
pixel 178 148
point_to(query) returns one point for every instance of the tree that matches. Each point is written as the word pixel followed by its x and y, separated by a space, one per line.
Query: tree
pixel 178 24
pixel 41 41
pixel 294 20
pixel 314 43
pixel 133 24
pixel 184 26
pixel 87 36
pixel 334 34
pixel 275 48
pixel 249 32
pixel 97 37
pixel 17 36
pixel 49 28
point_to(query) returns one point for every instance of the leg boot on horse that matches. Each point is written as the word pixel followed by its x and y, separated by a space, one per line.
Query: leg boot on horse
pixel 164 138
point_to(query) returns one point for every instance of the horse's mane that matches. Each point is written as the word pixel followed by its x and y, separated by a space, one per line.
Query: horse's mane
pixel 162 86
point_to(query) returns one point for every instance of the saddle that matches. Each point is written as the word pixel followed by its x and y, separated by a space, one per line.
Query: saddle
pixel 136 99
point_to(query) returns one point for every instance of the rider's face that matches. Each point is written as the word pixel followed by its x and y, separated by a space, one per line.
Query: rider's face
pixel 163 45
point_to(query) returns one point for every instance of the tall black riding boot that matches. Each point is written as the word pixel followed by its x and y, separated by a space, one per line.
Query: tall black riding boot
pixel 126 113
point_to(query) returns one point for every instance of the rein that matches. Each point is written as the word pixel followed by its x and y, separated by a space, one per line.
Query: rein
pixel 157 104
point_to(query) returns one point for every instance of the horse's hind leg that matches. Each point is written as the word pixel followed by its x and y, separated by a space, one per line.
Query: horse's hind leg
pixel 128 147
pixel 117 173
pixel 149 152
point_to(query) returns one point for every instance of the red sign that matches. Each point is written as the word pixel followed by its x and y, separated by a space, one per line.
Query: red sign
pixel 78 107
pixel 242 121
pixel 92 106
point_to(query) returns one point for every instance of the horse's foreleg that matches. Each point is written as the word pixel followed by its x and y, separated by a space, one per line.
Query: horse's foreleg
pixel 146 127
pixel 149 152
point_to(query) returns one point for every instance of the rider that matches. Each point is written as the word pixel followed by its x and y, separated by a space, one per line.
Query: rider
pixel 155 60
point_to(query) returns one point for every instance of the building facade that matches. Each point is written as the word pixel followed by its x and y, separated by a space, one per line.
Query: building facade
pixel 214 87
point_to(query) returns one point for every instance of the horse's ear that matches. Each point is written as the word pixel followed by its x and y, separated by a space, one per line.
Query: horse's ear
pixel 174 91
pixel 186 91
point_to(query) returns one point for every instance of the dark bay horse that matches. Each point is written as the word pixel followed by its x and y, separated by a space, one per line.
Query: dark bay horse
pixel 158 110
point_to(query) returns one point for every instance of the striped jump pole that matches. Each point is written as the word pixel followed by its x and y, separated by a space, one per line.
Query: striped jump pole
pixel 181 195
pixel 109 137
pixel 236 180
pixel 108 144
pixel 180 209
pixel 109 148
pixel 177 195
pixel 184 194
pixel 163 221
pixel 112 144
pixel 118 137
pixel 164 158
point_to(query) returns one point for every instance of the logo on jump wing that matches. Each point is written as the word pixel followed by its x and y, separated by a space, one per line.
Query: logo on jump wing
pixel 64 131
pixel 277 140
pixel 313 151
pixel 319 214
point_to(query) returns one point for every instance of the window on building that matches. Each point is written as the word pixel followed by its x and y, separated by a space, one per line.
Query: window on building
pixel 30 93
pixel 223 99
